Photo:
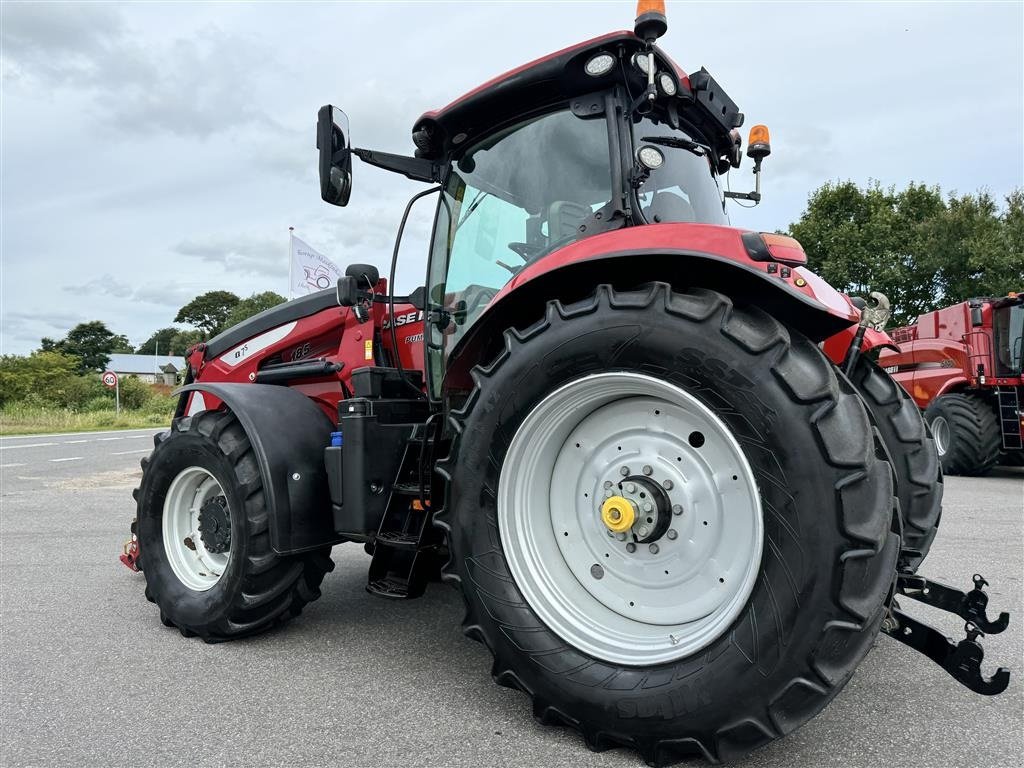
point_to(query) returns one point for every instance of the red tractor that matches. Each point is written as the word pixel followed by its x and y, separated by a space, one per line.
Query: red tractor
pixel 962 365
pixel 606 418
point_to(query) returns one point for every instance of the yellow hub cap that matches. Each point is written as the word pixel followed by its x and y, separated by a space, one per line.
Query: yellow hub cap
pixel 618 514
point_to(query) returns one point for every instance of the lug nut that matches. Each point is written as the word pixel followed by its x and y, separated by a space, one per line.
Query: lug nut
pixel 631 487
pixel 654 549
pixel 631 547
pixel 642 531
pixel 647 469
pixel 672 534
pixel 624 471
pixel 648 507
pixel 607 483
pixel 677 509
pixel 667 485
pixel 619 536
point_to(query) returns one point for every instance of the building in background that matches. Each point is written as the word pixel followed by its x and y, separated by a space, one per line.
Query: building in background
pixel 152 369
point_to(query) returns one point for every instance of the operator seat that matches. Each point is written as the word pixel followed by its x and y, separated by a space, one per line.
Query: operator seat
pixel 668 206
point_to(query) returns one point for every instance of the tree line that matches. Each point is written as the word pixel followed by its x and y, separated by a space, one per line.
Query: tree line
pixel 62 372
pixel 92 343
pixel 921 248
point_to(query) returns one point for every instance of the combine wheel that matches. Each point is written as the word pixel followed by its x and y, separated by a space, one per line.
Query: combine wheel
pixel 669 522
pixel 966 434
pixel 203 526
pixel 912 450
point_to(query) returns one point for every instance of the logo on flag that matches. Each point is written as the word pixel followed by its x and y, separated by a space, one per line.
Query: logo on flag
pixel 311 271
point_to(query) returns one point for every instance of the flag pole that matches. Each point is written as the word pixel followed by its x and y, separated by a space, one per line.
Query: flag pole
pixel 291 277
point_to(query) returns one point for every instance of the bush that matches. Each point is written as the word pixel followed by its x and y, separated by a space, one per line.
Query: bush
pixel 36 377
pixel 135 393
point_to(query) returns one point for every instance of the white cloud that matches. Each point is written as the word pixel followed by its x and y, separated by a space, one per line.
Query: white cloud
pixel 152 152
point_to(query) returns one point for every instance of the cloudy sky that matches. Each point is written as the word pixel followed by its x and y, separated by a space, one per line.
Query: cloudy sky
pixel 154 151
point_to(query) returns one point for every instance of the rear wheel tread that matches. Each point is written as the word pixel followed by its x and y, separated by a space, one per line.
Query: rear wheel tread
pixel 808 378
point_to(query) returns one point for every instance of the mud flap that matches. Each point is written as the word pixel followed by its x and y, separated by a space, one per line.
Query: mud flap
pixel 288 433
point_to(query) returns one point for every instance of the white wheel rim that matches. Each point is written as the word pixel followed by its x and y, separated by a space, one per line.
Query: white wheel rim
pixel 940 433
pixel 549 521
pixel 195 566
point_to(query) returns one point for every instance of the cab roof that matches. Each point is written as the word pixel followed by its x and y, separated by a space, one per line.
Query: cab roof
pixel 541 83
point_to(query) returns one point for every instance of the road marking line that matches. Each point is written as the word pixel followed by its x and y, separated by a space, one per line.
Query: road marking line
pixel 72 442
pixel 70 458
pixel 30 445
pixel 125 453
pixel 105 439
pixel 79 434
pixel 12 465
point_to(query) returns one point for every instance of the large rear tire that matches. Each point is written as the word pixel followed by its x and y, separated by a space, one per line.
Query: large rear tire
pixel 966 434
pixel 821 499
pixel 912 451
pixel 203 529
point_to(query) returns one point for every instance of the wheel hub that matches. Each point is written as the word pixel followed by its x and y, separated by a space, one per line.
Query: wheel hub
pixel 618 513
pixel 215 525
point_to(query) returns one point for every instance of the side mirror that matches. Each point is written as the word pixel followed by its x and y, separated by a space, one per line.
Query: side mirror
pixel 332 139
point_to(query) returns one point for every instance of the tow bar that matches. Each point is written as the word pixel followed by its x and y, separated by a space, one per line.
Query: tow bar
pixel 961 660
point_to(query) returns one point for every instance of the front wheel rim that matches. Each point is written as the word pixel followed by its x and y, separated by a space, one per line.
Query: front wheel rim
pixel 195 566
pixel 621 597
pixel 940 433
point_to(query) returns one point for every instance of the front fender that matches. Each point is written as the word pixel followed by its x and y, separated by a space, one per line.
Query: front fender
pixel 288 433
pixel 683 255
pixel 836 346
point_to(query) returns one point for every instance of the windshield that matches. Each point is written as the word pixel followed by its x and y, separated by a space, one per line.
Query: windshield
pixel 685 188
pixel 508 201
pixel 1009 331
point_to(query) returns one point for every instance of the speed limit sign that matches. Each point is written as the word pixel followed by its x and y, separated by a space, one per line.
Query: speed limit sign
pixel 109 379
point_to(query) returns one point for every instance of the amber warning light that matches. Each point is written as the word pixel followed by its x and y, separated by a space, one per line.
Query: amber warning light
pixel 758 148
pixel 650 20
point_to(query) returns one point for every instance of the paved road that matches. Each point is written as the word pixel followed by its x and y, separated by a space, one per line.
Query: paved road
pixel 89 677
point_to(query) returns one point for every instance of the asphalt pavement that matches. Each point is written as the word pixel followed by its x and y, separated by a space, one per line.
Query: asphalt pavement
pixel 89 676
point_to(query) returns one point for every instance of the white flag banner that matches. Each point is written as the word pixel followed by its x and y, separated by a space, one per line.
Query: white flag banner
pixel 310 271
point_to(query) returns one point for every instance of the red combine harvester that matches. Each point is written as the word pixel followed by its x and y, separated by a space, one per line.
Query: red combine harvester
pixel 605 418
pixel 962 366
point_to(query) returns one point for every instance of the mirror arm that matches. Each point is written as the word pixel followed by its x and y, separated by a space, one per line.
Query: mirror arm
pixel 414 168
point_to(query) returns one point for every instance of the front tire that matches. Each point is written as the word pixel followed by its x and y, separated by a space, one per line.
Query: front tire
pixel 825 500
pixel 966 434
pixel 203 528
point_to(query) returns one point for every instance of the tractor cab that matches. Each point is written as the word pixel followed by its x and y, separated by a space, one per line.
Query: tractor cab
pixel 604 135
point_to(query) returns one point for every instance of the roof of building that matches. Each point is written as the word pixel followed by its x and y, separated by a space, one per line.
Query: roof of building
pixel 122 363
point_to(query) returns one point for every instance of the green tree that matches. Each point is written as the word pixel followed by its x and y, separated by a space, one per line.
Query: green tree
pixel 922 250
pixel 208 311
pixel 41 373
pixel 160 342
pixel 182 340
pixel 92 343
pixel 255 304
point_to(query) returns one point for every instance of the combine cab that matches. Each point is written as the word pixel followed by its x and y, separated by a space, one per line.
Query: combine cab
pixel 605 417
pixel 962 366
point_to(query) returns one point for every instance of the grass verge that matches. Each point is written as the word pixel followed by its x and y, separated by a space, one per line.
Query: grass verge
pixel 28 420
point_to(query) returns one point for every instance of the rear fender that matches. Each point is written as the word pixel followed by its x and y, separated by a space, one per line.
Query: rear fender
pixel 794 295
pixel 288 433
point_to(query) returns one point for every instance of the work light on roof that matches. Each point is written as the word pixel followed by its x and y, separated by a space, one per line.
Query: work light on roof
pixel 667 84
pixel 599 64
pixel 642 61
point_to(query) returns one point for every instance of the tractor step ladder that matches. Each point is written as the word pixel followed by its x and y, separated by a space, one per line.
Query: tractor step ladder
pixel 405 549
pixel 1009 418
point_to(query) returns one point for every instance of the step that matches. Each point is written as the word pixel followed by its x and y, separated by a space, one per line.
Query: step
pixel 397 540
pixel 409 489
pixel 390 586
